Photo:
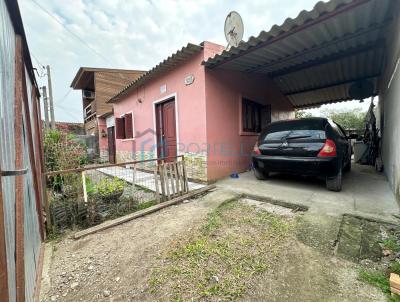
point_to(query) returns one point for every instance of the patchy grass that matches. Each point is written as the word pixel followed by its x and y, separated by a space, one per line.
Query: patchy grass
pixel 395 267
pixel 145 205
pixel 219 260
pixel 380 280
pixel 392 244
pixel 375 278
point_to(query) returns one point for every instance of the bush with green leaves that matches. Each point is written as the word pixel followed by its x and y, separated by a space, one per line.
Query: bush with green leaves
pixel 108 186
pixel 63 151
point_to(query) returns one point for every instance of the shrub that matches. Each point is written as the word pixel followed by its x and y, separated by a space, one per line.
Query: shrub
pixel 63 151
pixel 110 186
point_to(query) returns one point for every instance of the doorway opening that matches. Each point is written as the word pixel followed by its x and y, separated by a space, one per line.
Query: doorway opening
pixel 166 128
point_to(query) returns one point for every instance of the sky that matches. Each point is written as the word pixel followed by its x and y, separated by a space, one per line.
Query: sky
pixel 133 34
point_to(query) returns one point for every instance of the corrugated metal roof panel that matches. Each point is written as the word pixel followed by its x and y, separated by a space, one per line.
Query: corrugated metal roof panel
pixel 333 31
pixel 164 66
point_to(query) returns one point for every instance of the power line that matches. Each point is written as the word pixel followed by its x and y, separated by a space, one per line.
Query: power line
pixel 64 97
pixel 72 33
pixel 42 68
pixel 37 60
pixel 65 110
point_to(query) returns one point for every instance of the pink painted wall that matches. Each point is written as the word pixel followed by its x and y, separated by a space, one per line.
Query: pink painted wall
pixel 229 150
pixel 191 108
pixel 208 112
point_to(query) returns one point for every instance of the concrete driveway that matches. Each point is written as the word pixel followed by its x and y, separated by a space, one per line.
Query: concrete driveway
pixel 365 192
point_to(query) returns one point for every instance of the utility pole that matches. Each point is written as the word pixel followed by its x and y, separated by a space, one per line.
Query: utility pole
pixel 46 107
pixel 52 120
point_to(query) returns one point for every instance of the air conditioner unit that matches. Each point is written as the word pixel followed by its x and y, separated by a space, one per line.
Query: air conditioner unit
pixel 88 94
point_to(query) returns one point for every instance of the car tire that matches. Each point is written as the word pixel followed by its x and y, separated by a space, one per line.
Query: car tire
pixel 347 167
pixel 335 183
pixel 260 175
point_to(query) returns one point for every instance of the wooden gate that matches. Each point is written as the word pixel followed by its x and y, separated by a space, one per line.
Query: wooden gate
pixel 170 179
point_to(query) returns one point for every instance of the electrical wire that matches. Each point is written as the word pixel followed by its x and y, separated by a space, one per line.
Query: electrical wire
pixel 64 97
pixel 72 33
pixel 42 67
pixel 65 111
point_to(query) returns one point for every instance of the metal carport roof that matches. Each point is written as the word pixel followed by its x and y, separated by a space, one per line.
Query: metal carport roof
pixel 315 57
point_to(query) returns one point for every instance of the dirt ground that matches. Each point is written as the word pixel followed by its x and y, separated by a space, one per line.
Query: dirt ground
pixel 116 264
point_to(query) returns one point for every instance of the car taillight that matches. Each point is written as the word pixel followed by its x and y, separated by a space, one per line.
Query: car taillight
pixel 256 150
pixel 328 150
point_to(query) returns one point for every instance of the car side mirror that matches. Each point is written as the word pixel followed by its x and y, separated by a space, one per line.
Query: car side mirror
pixel 352 136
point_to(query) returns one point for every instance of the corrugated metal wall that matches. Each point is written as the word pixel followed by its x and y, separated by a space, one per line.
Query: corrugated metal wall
pixel 31 223
pixel 32 239
pixel 7 151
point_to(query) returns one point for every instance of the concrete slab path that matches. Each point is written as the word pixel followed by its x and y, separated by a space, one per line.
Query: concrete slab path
pixel 365 192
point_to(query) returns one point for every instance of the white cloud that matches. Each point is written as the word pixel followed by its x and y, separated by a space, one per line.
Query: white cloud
pixel 132 34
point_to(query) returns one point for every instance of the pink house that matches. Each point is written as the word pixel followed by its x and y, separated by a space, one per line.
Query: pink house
pixel 212 117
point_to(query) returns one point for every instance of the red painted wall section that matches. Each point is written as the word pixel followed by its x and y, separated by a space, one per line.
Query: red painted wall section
pixel 229 150
pixel 191 107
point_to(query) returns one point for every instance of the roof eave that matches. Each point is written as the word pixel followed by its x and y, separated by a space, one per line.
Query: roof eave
pixel 189 50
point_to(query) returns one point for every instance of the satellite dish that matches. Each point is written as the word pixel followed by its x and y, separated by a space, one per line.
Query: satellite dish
pixel 233 29
pixel 361 89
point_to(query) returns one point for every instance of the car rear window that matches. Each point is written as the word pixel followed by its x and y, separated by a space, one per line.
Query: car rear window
pixel 298 129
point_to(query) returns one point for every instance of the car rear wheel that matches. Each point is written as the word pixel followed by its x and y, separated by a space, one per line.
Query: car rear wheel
pixel 260 175
pixel 335 183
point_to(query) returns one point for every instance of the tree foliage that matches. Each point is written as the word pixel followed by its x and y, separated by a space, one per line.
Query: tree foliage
pixel 63 151
pixel 348 119
pixel 302 114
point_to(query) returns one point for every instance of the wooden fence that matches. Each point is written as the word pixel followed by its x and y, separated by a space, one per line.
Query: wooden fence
pixel 146 181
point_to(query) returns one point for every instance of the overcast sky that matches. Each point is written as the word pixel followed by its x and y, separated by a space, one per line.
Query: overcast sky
pixel 131 34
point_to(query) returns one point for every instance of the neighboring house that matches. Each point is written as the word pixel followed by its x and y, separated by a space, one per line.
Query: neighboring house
pixel 21 163
pixel 98 85
pixel 213 117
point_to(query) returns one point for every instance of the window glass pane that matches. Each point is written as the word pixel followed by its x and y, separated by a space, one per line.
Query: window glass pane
pixel 254 116
pixel 299 134
pixel 309 129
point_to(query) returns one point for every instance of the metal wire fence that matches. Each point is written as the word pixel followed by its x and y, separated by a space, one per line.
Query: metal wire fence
pixel 87 196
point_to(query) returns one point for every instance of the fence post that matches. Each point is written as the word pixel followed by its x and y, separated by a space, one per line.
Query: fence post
pixel 84 187
pixel 162 180
pixel 156 182
pixel 46 203
pixel 171 175
pixel 133 176
pixel 185 180
pixel 176 173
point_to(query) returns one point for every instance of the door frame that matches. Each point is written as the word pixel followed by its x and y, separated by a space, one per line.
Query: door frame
pixel 108 144
pixel 166 98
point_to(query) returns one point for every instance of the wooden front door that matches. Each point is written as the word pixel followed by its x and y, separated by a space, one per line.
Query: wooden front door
pixel 111 144
pixel 166 129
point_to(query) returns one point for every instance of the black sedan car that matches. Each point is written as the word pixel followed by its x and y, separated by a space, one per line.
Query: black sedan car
pixel 310 146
